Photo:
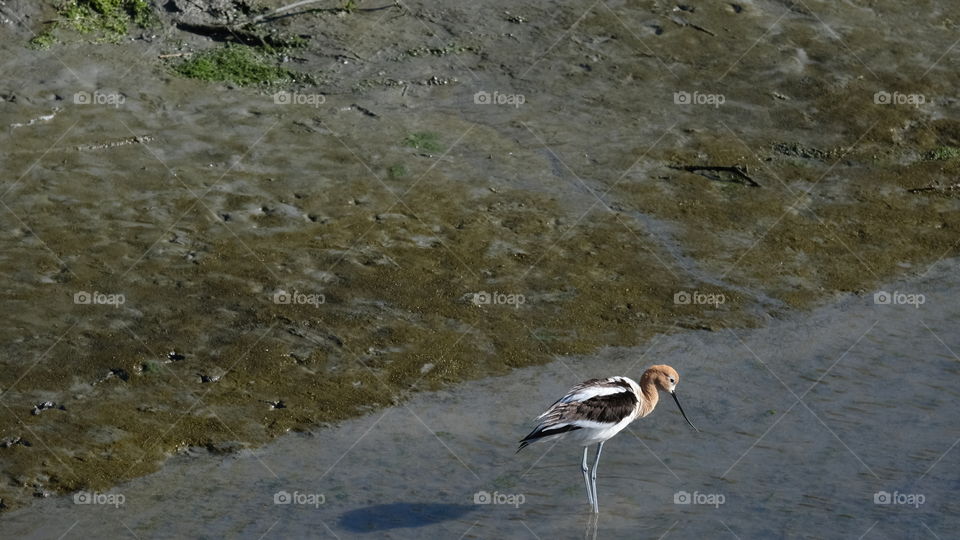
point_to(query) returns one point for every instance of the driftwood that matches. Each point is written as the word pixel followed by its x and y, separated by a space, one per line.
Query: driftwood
pixel 720 173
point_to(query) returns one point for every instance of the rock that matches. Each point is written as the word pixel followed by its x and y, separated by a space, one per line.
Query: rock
pixel 43 406
pixel 208 12
pixel 7 442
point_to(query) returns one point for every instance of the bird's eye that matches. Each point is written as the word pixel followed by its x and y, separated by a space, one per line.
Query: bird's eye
pixel 671 380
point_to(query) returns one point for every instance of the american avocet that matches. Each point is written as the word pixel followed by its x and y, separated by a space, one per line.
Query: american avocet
pixel 596 410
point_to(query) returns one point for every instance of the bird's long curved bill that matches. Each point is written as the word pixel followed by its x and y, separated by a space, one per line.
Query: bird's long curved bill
pixel 674 394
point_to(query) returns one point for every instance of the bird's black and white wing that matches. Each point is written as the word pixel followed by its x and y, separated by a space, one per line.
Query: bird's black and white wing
pixel 594 404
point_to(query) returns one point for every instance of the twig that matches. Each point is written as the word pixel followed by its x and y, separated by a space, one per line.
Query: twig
pixel 739 173
pixel 680 21
pixel 280 10
pixel 365 111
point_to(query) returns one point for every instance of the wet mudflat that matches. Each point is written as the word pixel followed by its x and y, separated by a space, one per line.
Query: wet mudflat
pixel 461 191
pixel 833 424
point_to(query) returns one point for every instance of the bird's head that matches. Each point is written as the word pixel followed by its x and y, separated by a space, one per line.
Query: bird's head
pixel 666 378
pixel 663 377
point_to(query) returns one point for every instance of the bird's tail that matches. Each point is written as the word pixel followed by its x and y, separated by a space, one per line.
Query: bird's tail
pixel 525 442
pixel 541 432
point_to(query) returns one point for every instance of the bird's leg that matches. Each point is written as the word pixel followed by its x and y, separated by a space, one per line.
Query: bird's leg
pixel 590 533
pixel 586 477
pixel 596 502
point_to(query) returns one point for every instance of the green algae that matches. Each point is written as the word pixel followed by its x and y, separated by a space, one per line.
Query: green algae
pixel 44 39
pixel 943 153
pixel 106 20
pixel 240 65
pixel 424 140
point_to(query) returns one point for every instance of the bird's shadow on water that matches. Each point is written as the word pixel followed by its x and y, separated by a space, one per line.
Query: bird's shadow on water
pixel 381 517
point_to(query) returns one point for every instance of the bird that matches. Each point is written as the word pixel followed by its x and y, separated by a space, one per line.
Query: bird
pixel 593 411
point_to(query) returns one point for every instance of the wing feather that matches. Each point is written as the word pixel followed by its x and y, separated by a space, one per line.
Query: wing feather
pixel 595 403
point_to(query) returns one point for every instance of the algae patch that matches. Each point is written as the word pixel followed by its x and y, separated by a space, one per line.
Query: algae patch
pixel 943 153
pixel 109 20
pixel 240 65
pixel 424 140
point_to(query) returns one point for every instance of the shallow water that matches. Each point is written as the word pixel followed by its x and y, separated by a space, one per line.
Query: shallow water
pixel 802 423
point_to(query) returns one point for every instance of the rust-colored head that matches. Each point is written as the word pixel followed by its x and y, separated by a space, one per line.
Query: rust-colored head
pixel 663 377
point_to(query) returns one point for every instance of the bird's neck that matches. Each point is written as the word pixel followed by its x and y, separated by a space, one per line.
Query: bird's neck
pixel 650 395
